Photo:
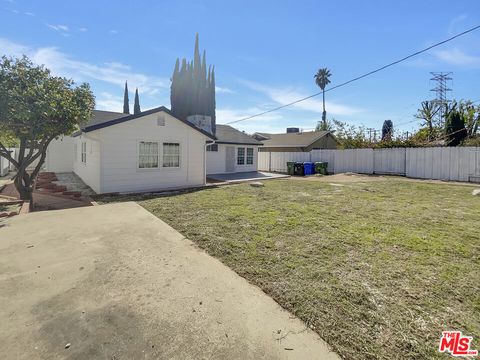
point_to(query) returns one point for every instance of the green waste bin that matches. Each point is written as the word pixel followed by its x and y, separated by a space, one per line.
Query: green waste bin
pixel 321 168
pixel 290 167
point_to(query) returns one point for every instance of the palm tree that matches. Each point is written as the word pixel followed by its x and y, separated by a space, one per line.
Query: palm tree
pixel 322 79
pixel 427 113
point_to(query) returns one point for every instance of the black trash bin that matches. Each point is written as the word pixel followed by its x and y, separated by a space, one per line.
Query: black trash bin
pixel 298 169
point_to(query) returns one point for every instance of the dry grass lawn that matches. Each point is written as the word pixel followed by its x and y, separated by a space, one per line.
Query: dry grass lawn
pixel 377 268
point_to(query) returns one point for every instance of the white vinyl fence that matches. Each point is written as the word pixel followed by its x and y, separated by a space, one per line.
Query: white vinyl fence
pixel 4 166
pixel 448 163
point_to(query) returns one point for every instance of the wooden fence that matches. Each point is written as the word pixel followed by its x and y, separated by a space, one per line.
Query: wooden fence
pixel 442 163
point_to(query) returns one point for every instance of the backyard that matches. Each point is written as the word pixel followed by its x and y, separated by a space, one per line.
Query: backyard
pixel 378 266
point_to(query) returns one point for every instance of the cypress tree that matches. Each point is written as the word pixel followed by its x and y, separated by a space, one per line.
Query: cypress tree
pixel 192 90
pixel 126 106
pixel 174 87
pixel 136 105
pixel 212 101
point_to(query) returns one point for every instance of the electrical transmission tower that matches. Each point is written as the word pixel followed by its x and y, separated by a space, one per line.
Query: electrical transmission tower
pixel 441 89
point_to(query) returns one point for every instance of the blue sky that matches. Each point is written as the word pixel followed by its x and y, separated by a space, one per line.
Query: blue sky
pixel 265 52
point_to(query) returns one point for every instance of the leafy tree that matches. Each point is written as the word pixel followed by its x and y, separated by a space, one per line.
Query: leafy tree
pixel 471 114
pixel 455 130
pixel 136 105
pixel 322 79
pixel 350 136
pixel 325 126
pixel 126 105
pixel 427 113
pixel 35 108
pixel 387 130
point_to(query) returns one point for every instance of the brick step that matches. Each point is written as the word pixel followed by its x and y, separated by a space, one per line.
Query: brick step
pixel 72 193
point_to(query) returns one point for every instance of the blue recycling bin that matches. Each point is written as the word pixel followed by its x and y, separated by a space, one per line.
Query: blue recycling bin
pixel 308 168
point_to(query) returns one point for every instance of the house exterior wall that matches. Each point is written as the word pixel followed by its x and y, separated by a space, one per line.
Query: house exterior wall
pixel 88 171
pixel 325 142
pixel 60 155
pixel 281 149
pixel 216 160
pixel 120 170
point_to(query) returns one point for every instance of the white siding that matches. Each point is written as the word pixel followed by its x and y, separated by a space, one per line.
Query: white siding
pixel 216 160
pixel 60 155
pixel 120 172
pixel 89 172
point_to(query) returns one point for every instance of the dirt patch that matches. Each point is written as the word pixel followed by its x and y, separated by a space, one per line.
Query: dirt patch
pixel 341 178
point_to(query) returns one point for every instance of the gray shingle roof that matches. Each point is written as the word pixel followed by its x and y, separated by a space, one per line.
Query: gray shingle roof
pixel 100 116
pixel 302 139
pixel 228 135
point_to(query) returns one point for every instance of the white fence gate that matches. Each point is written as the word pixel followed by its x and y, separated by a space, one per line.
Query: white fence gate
pixel 442 163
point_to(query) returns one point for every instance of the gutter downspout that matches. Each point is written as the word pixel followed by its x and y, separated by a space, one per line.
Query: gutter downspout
pixel 205 162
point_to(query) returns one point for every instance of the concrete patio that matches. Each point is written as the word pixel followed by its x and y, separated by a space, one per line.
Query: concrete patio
pixel 245 176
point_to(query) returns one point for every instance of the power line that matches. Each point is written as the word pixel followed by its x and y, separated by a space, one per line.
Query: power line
pixel 359 77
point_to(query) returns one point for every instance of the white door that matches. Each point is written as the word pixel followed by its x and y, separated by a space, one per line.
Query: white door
pixel 230 159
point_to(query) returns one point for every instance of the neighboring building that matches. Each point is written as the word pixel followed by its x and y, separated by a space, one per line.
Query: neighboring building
pixel 233 151
pixel 295 141
pixel 150 151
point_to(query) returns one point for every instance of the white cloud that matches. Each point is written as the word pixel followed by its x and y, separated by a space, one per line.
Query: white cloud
pixel 62 64
pixel 58 27
pixel 28 13
pixel 456 56
pixel 113 32
pixel 223 90
pixel 82 29
pixel 109 102
pixel 285 95
pixel 225 115
pixel 455 21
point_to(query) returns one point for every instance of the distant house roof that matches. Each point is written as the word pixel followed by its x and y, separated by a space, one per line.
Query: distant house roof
pixel 102 119
pixel 300 139
pixel 228 135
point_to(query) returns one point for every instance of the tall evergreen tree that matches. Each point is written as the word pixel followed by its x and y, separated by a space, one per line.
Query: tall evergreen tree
pixel 192 91
pixel 174 86
pixel 387 130
pixel 126 105
pixel 136 105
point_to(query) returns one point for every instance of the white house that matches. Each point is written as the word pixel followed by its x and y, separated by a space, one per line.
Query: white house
pixel 150 151
pixel 232 152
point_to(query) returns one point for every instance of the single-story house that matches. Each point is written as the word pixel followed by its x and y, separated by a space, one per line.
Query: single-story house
pixel 150 151
pixel 233 151
pixel 295 141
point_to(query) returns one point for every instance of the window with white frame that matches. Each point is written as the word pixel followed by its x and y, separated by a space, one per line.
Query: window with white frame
pixel 84 152
pixel 171 155
pixel 148 155
pixel 240 156
pixel 249 156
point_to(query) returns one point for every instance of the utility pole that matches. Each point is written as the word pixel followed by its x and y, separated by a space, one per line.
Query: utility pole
pixel 370 131
pixel 441 89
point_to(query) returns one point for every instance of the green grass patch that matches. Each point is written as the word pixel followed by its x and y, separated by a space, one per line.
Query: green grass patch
pixel 377 268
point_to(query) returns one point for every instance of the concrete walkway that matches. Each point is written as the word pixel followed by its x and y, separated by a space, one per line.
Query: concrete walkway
pixel 115 282
pixel 246 176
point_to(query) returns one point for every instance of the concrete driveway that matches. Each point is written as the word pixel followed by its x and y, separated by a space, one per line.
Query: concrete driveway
pixel 115 282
